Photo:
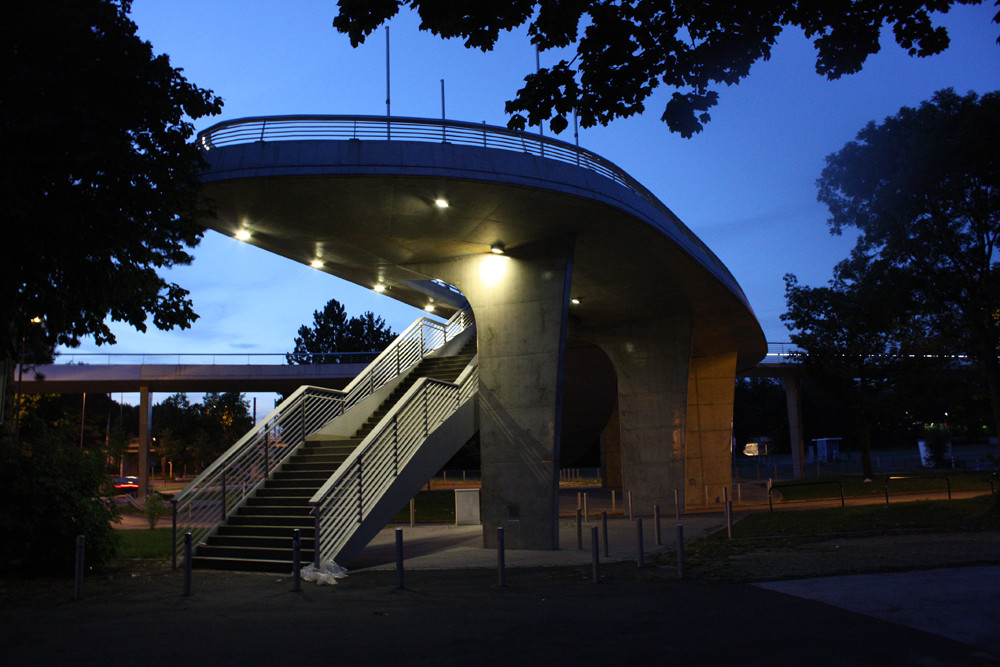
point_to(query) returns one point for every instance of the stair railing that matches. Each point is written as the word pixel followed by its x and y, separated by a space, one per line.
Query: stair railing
pixel 222 487
pixel 347 498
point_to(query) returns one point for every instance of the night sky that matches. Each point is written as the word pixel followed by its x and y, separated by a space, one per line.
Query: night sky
pixel 745 186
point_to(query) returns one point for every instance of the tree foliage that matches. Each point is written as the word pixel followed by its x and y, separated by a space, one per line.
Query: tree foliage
pixel 857 336
pixel 99 187
pixel 624 49
pixel 191 435
pixel 333 331
pixel 922 188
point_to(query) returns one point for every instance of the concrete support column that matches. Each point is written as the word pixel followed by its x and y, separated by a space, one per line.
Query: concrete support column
pixel 520 302
pixel 709 459
pixel 651 361
pixel 611 452
pixel 145 436
pixel 793 400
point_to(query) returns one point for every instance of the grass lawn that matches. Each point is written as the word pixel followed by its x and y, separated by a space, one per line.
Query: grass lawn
pixel 856 487
pixel 976 513
pixel 430 507
pixel 145 543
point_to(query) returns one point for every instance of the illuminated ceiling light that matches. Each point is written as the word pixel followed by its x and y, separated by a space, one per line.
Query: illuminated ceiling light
pixel 316 264
pixel 243 235
pixel 429 308
pixel 575 302
pixel 497 248
pixel 380 287
pixel 440 202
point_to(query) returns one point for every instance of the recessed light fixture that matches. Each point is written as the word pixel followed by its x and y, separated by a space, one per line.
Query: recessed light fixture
pixel 497 248
pixel 379 287
pixel 316 264
pixel 575 301
pixel 429 308
pixel 441 202
pixel 243 235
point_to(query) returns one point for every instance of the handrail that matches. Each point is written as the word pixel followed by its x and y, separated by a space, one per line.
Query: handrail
pixel 345 500
pixel 208 500
pixel 311 127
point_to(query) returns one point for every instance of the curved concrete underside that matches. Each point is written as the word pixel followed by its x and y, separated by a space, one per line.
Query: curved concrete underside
pixel 366 208
pixel 589 263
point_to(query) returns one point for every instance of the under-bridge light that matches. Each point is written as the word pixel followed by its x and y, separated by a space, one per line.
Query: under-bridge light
pixel 441 202
pixel 316 264
pixel 243 235
pixel 379 287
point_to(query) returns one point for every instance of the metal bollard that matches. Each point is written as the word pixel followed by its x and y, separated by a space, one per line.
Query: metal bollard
pixel 579 529
pixel 399 559
pixel 677 505
pixel 604 532
pixel 656 525
pixel 413 513
pixel 594 556
pixel 187 564
pixel 614 507
pixel 296 560
pixel 641 556
pixel 586 512
pixel 680 551
pixel 501 569
pixel 78 580
pixel 729 518
pixel 628 495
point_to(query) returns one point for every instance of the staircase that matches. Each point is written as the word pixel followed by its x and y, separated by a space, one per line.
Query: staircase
pixel 258 535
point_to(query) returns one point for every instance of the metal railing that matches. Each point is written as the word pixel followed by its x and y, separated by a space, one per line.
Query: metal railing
pixel 342 504
pixel 211 497
pixel 213 358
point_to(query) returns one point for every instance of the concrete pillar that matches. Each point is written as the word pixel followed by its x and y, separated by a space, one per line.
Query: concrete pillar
pixel 145 435
pixel 793 402
pixel 709 459
pixel 651 361
pixel 520 303
pixel 611 452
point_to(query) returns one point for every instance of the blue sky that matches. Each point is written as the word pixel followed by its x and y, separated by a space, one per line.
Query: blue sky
pixel 745 186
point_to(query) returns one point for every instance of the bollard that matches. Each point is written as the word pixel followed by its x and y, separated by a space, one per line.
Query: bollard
pixel 594 556
pixel 641 556
pixel 677 505
pixel 501 574
pixel 680 551
pixel 579 500
pixel 187 564
pixel 604 532
pixel 656 525
pixel 78 580
pixel 413 513
pixel 614 508
pixel 399 559
pixel 579 529
pixel 729 518
pixel 628 495
pixel 586 513
pixel 296 560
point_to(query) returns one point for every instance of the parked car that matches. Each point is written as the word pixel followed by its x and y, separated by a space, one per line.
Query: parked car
pixel 126 483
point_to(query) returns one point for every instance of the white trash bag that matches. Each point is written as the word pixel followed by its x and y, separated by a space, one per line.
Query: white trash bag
pixel 326 573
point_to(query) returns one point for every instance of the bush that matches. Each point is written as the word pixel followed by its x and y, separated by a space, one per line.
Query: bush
pixel 48 496
pixel 156 509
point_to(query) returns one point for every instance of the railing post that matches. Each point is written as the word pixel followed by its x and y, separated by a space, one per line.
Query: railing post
pixel 395 447
pixel 223 495
pixel 267 456
pixel 173 539
pixel 317 554
pixel 425 410
pixel 360 495
pixel 303 414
